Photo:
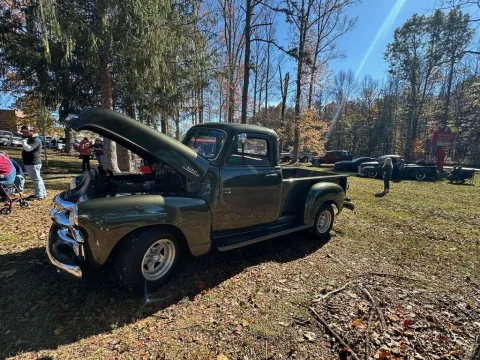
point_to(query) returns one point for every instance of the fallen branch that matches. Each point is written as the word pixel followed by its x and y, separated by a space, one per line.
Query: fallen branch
pixel 476 350
pixel 335 259
pixel 375 305
pixel 367 337
pixel 333 292
pixel 340 340
pixel 390 275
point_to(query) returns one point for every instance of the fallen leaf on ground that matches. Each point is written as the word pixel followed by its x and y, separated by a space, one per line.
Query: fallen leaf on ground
pixel 238 329
pixel 358 322
pixel 221 357
pixel 310 336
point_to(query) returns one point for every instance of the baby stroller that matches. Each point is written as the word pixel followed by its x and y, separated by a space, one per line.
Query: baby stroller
pixel 8 192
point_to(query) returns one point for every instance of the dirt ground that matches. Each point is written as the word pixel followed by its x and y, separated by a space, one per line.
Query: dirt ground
pixel 398 279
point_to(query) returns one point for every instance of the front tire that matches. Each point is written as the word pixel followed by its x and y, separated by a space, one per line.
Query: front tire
pixel 323 221
pixel 372 174
pixel 148 256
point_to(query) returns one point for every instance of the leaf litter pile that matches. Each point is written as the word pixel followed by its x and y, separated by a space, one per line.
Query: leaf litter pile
pixel 386 318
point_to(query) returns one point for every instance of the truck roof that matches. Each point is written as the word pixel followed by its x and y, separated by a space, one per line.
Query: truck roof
pixel 230 127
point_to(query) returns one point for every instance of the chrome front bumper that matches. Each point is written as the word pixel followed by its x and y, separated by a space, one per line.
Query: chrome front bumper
pixel 65 243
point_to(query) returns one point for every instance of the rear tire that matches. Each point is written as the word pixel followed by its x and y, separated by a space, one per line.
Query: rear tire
pixel 420 175
pixel 323 221
pixel 148 256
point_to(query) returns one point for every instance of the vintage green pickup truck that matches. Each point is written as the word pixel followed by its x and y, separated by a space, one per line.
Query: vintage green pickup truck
pixel 221 188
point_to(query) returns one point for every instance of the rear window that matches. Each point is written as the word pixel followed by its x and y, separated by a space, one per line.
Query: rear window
pixel 205 142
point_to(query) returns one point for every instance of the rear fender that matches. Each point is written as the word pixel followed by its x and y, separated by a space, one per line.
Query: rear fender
pixel 319 194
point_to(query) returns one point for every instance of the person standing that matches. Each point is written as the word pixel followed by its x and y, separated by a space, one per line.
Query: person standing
pixel 387 169
pixel 84 148
pixel 31 156
pixel 98 146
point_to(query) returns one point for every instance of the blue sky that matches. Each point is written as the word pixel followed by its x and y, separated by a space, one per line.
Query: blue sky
pixel 366 43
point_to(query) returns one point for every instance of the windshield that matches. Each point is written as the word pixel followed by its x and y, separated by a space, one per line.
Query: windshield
pixel 206 142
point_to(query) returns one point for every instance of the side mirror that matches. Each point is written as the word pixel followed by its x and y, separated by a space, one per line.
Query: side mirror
pixel 242 137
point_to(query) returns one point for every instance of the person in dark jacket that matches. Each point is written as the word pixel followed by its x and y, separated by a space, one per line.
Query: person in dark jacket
pixel 98 147
pixel 32 160
pixel 387 169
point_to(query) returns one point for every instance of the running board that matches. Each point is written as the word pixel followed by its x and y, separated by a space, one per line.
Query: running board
pixel 236 245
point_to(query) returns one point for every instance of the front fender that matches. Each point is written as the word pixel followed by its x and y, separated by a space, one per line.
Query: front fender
pixel 104 222
pixel 319 194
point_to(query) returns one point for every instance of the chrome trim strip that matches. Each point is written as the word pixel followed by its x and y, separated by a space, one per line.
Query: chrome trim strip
pixel 70 269
pixel 77 248
pixel 60 219
pixel 62 203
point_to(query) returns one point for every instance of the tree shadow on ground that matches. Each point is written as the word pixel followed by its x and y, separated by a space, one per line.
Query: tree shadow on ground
pixel 42 310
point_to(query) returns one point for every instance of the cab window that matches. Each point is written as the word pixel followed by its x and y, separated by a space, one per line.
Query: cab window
pixel 254 151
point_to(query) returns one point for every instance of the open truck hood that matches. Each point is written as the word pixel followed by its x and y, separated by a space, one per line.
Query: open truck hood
pixel 142 140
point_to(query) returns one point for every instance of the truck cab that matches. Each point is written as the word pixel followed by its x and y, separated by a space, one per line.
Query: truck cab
pixel 221 188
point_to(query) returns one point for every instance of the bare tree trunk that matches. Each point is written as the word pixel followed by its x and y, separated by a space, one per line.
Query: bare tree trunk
pixel 303 19
pixel 110 147
pixel 448 95
pixel 246 66
pixel 267 80
pixel 177 124
pixel 221 105
pixel 200 109
pixel 296 130
pixel 255 82
pixel 163 124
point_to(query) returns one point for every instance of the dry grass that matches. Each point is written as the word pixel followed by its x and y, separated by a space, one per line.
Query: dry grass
pixel 252 302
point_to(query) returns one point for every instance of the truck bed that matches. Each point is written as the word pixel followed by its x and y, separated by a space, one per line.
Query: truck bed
pixel 298 181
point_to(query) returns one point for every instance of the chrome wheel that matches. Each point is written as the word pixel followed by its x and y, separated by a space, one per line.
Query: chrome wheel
pixel 372 174
pixel 158 259
pixel 420 175
pixel 324 221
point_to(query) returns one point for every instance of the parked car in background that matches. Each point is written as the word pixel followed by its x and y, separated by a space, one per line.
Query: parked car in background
pixel 331 157
pixel 302 156
pixel 230 194
pixel 60 144
pixel 407 171
pixel 352 165
pixel 47 141
pixel 5 138
pixel 17 139
pixel 76 144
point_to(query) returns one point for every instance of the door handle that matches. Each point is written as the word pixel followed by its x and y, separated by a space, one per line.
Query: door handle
pixel 273 174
